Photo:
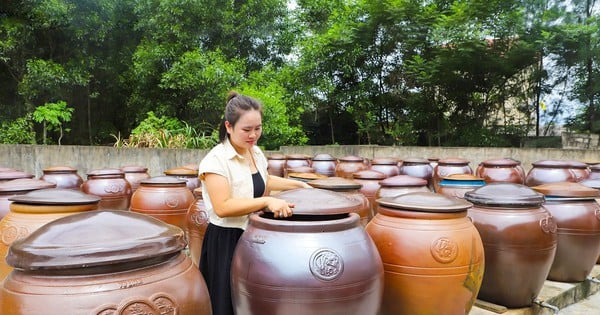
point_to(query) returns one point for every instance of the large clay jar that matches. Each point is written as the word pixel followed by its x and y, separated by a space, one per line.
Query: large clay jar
pixel 276 164
pixel 165 198
pixel 63 176
pixel 16 187
pixel 501 171
pixel 30 211
pixel 387 166
pixel 295 161
pixel 349 165
pixel 324 164
pixel 417 167
pixel 14 174
pixel 432 254
pixel 369 181
pixel 134 174
pixel 577 216
pixel 448 167
pixel 519 241
pixel 399 185
pixel 196 221
pixel 351 189
pixel 456 185
pixel 318 261
pixel 111 186
pixel 550 171
pixel 188 174
pixel 103 262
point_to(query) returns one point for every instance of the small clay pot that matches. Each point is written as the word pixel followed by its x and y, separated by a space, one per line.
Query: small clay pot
pixel 188 174
pixel 295 160
pixel 134 174
pixel 369 180
pixel 552 171
pixel 501 171
pixel 111 186
pixel 276 164
pixel 63 176
pixel 324 164
pixel 349 165
pixel 417 167
pixel 387 166
pixel 399 185
pixel 448 167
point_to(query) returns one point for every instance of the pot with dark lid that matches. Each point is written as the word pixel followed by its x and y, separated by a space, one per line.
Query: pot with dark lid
pixel 111 186
pixel 349 187
pixel 432 254
pixel 19 187
pixel 387 166
pixel 449 166
pixel 519 239
pixel 276 164
pixel 166 198
pixel 103 262
pixel 190 175
pixel 134 174
pixel 30 211
pixel 577 216
pixel 317 261
pixel 63 176
pixel 324 164
pixel 456 185
pixel 369 181
pixel 501 171
pixel 349 165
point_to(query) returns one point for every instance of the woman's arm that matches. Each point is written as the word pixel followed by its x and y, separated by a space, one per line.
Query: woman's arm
pixel 224 205
pixel 276 183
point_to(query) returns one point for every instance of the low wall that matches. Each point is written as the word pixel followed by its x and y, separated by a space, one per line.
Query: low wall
pixel 34 158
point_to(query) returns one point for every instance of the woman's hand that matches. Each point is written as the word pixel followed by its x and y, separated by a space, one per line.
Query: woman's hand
pixel 279 207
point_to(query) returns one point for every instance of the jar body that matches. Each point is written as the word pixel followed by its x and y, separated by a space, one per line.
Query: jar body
pixel 369 189
pixel 449 167
pixel 508 173
pixel 422 170
pixel 519 246
pixel 114 190
pixel 196 223
pixel 346 167
pixel 168 203
pixel 135 177
pixel 578 237
pixel 295 161
pixel 68 179
pixel 324 167
pixel 276 165
pixel 171 287
pixel 389 169
pixel 432 261
pixel 286 267
pixel 457 188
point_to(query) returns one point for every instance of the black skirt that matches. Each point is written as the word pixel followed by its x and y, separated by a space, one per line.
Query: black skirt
pixel 215 265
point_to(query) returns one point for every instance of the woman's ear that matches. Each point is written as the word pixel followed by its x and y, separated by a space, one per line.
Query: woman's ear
pixel 228 127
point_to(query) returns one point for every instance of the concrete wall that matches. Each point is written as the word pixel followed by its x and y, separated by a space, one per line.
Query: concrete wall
pixel 34 158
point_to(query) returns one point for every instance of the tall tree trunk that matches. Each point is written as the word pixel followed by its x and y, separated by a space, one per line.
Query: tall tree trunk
pixel 89 115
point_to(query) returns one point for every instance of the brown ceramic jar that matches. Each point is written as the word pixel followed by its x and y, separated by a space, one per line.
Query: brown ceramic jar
pixel 318 261
pixel 187 174
pixel 417 167
pixel 399 185
pixel 134 174
pixel 349 165
pixel 369 181
pixel 63 176
pixel 550 171
pixel 577 216
pixel 501 171
pixel 276 164
pixel 594 171
pixel 456 185
pixel 111 186
pixel 30 211
pixel 387 166
pixel 295 160
pixel 19 186
pixel 164 197
pixel 324 164
pixel 196 221
pixel 447 167
pixel 349 188
pixel 519 240
pixel 103 262
pixel 432 254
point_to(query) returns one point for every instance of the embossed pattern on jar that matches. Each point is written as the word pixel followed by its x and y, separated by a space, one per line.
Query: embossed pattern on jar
pixel 111 186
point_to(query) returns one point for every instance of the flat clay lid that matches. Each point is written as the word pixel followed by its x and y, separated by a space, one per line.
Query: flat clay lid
pixel 425 202
pixel 453 161
pixel 352 158
pixel 416 161
pixel 369 174
pixel 276 157
pixel 55 196
pixel 306 175
pixel 595 168
pixel 567 189
pixel 505 195
pixel 501 162
pixel 182 171
pixel 25 184
pixel 384 161
pixel 592 183
pixel 95 238
pixel 323 157
pixel 335 183
pixel 106 171
pixel 164 180
pixel 552 164
pixel 59 169
pixel 8 175
pixel 296 156
pixel 315 201
pixel 134 169
pixel 403 181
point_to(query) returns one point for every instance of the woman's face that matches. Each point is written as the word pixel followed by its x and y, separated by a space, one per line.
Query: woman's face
pixel 246 131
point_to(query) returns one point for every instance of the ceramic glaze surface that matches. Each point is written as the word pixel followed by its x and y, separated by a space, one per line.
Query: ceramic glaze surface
pixel 111 186
pixel 63 177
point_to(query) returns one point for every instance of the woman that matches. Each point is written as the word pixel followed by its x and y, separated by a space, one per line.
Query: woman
pixel 234 182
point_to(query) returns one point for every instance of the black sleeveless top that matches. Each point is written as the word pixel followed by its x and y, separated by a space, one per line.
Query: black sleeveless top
pixel 259 185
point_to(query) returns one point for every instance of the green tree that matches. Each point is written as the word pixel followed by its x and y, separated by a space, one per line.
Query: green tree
pixel 52 116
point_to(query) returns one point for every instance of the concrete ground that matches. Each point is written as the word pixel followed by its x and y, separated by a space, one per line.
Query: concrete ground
pixel 558 298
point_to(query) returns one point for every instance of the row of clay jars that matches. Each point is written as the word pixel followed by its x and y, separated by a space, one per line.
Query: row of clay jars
pixel 103 262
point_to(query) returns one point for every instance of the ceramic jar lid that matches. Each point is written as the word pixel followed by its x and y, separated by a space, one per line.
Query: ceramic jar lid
pixel 9 175
pixel 106 172
pixel 567 190
pixel 352 158
pixel 296 157
pixel 276 157
pixel 453 161
pixel 164 180
pixel 55 196
pixel 323 157
pixel 500 163
pixel 505 195
pixel 181 171
pixel 369 174
pixel 592 183
pixel 425 202
pixel 24 184
pixel 415 161
pixel 134 169
pixel 301 169
pixel 335 183
pixel 384 161
pixel 552 164
pixel 95 238
pixel 315 201
pixel 59 169
pixel 402 181
pixel 309 176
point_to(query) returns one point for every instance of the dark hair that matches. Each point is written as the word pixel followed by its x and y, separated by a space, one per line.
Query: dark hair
pixel 236 105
